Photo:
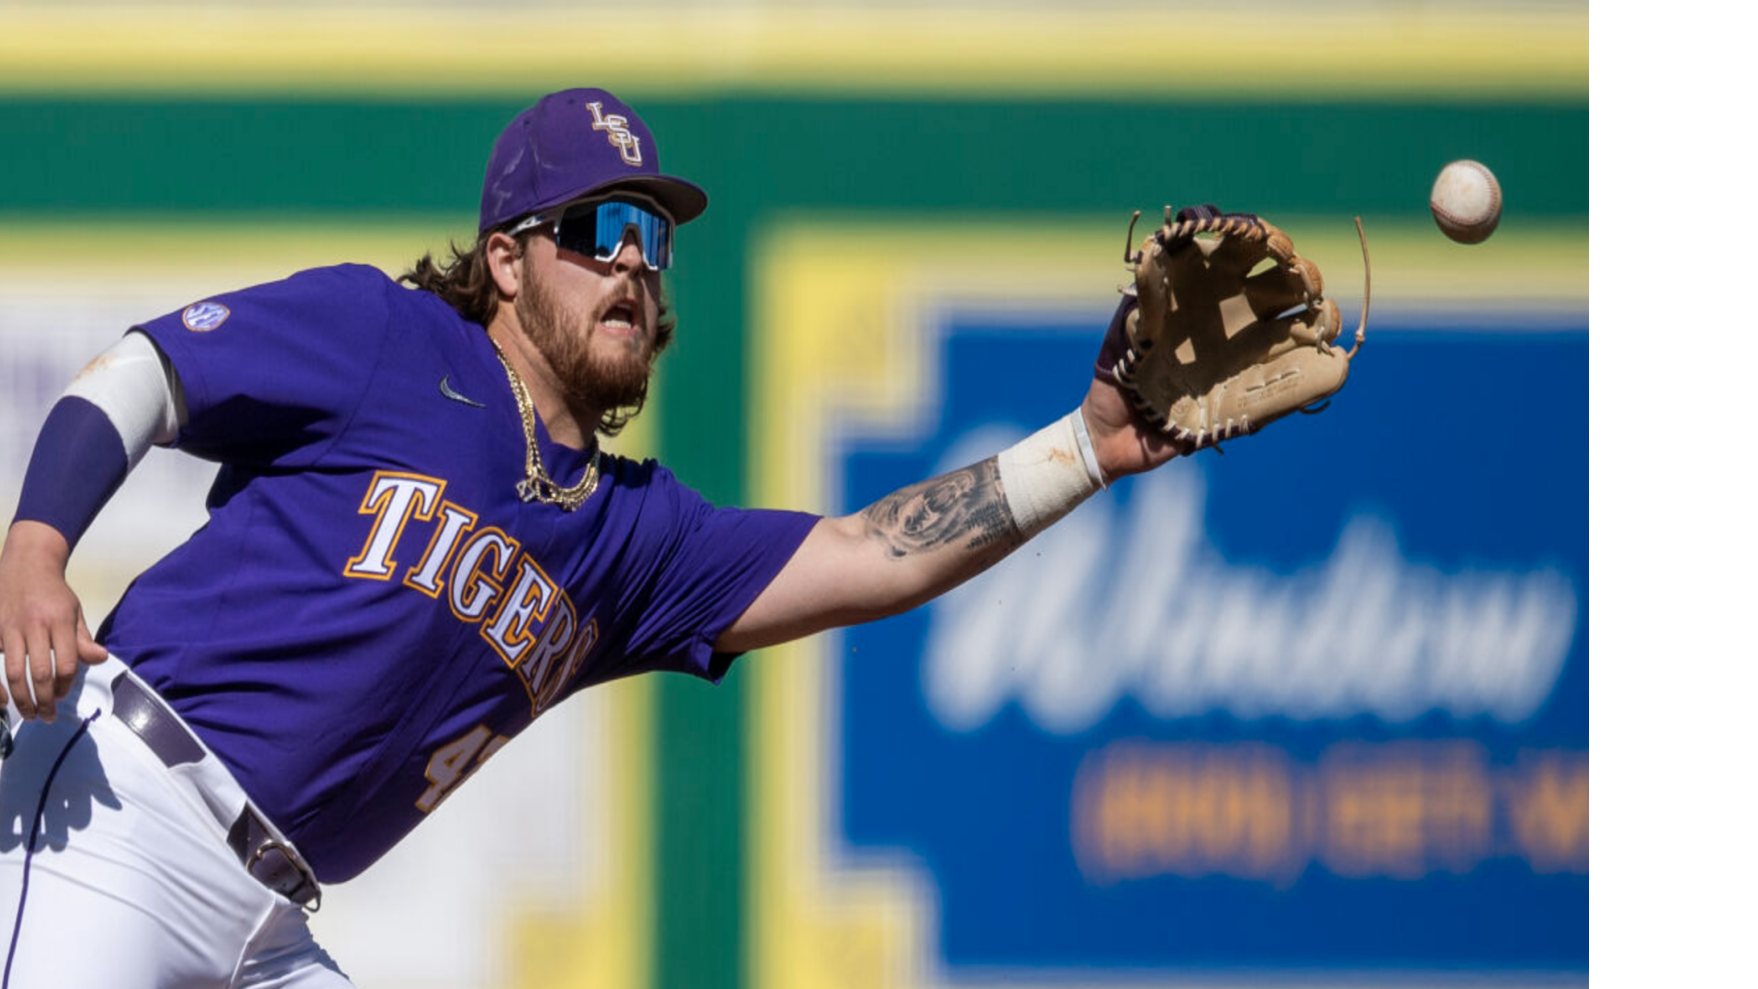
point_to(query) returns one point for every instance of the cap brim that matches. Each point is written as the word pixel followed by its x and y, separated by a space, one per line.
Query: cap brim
pixel 683 200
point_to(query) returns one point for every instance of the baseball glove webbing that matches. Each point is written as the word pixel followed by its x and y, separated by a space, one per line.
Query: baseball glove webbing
pixel 1231 330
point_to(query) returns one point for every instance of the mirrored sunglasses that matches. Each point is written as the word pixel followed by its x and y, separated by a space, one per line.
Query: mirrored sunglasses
pixel 596 229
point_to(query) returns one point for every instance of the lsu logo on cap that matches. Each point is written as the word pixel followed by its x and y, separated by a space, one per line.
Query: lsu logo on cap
pixel 616 131
pixel 205 316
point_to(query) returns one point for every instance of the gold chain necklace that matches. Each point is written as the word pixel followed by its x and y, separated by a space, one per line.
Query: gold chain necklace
pixel 537 485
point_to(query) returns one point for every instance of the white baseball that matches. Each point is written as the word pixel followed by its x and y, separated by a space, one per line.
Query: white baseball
pixel 1466 201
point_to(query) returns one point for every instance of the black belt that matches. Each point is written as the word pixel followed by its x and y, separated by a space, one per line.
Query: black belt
pixel 265 857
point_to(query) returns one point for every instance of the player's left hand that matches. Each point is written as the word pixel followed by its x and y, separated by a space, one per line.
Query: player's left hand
pixel 1125 442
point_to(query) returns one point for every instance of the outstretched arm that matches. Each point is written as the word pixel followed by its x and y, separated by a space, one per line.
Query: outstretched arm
pixel 919 542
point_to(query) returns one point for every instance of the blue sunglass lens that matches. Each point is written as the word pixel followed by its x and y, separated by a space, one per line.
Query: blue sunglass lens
pixel 597 230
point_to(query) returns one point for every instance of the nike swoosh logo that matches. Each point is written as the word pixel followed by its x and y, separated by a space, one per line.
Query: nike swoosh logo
pixel 447 390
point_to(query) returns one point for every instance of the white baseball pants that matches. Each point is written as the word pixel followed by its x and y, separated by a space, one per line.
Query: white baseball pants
pixel 129 882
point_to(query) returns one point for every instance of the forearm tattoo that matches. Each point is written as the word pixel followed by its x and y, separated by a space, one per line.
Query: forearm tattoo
pixel 965 506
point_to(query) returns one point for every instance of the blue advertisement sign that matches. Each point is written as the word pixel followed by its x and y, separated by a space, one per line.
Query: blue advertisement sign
pixel 1316 703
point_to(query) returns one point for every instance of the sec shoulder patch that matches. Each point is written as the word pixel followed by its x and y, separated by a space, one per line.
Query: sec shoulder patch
pixel 205 316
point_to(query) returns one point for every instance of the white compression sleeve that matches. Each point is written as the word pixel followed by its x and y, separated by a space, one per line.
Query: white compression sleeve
pixel 138 391
pixel 1047 474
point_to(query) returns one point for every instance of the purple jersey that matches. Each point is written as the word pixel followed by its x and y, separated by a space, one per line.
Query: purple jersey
pixel 370 612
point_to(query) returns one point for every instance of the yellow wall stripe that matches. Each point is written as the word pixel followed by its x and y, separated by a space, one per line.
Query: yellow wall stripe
pixel 1283 52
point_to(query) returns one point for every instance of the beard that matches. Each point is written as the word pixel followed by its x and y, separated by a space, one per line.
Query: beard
pixel 603 381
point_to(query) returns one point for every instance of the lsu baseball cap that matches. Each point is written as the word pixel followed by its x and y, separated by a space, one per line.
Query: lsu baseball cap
pixel 573 144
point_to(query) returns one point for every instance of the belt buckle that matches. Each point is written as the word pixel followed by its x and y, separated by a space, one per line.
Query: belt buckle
pixel 276 845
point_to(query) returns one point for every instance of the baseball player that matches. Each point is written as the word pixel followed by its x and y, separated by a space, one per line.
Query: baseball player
pixel 415 547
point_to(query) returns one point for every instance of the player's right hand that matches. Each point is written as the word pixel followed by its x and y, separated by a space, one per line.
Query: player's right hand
pixel 42 628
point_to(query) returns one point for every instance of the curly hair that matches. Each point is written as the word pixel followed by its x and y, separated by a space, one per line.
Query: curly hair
pixel 465 284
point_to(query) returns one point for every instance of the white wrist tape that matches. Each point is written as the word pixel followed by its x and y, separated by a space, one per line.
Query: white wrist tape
pixel 1047 474
pixel 1085 439
pixel 137 390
